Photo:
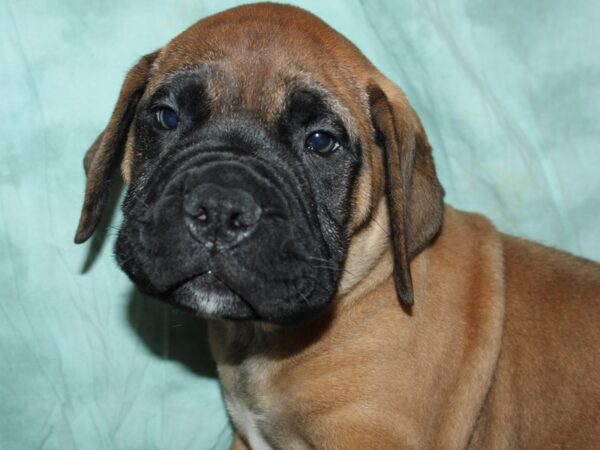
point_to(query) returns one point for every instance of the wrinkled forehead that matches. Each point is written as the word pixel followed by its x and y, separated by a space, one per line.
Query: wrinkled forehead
pixel 264 98
pixel 253 65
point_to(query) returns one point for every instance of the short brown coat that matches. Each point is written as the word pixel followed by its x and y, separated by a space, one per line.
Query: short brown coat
pixel 502 347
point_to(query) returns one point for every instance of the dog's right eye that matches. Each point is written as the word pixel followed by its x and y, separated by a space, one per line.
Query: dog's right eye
pixel 167 118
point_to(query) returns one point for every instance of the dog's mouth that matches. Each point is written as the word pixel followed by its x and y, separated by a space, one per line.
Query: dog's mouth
pixel 208 295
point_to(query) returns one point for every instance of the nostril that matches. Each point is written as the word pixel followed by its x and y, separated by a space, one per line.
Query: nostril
pixel 246 217
pixel 202 215
pixel 236 221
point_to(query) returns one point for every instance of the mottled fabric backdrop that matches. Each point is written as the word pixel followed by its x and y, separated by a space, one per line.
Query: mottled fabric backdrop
pixel 509 93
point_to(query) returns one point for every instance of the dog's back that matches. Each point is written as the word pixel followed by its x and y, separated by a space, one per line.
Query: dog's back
pixel 546 389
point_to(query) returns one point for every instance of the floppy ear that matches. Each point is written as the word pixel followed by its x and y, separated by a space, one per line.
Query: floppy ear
pixel 414 194
pixel 102 160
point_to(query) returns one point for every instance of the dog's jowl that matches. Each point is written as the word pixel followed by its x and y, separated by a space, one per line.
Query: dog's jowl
pixel 281 187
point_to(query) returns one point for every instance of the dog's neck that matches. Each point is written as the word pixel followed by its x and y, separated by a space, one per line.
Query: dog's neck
pixel 368 263
pixel 267 369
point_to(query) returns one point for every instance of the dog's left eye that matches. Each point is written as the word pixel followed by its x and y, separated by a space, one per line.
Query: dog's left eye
pixel 167 118
pixel 321 142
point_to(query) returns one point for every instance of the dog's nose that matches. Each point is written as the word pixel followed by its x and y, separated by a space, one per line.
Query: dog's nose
pixel 220 216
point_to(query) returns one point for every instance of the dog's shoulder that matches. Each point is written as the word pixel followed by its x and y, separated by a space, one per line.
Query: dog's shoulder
pixel 550 334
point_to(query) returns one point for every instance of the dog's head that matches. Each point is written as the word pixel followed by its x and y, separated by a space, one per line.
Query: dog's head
pixel 269 167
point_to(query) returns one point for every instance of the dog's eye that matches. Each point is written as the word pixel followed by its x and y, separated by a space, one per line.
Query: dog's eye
pixel 167 118
pixel 321 142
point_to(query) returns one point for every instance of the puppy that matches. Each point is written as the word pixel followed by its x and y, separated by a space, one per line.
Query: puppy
pixel 283 188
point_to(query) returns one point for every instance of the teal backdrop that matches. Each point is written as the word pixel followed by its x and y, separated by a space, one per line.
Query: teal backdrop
pixel 509 93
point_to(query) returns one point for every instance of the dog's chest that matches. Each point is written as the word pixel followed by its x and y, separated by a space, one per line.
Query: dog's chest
pixel 253 406
pixel 260 410
pixel 256 401
pixel 248 422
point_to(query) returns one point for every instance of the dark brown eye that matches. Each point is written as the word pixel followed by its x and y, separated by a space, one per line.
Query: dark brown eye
pixel 167 118
pixel 321 142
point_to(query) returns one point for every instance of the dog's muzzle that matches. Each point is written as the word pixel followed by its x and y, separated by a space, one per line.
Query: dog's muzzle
pixel 224 236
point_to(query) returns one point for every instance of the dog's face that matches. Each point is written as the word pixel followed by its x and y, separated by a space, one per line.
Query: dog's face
pixel 255 146
pixel 240 188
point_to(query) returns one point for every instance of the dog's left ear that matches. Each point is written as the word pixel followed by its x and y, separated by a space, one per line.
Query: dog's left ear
pixel 102 160
pixel 414 194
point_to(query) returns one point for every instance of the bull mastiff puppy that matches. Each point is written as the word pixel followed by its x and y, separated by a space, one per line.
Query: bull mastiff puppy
pixel 280 186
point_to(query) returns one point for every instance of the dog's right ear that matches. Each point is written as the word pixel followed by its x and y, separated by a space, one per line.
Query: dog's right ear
pixel 102 160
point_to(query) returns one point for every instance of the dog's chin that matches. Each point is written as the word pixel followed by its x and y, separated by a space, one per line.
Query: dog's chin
pixel 206 296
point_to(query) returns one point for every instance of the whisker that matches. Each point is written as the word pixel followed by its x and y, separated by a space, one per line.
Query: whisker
pixel 338 269
pixel 315 258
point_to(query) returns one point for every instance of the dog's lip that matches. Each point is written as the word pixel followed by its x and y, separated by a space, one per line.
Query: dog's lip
pixel 186 280
pixel 210 273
